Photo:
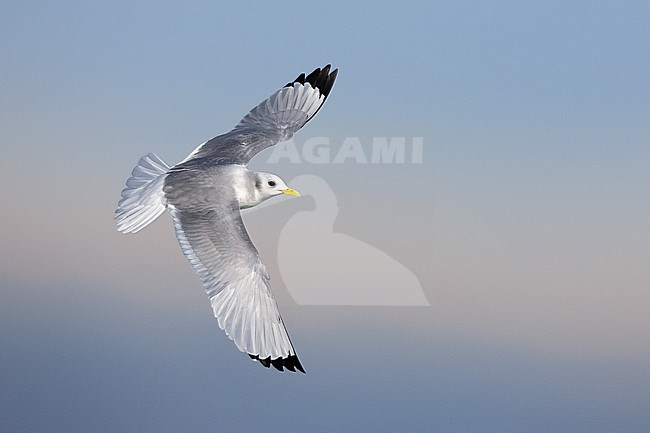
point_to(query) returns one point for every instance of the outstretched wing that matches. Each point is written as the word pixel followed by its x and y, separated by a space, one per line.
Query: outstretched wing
pixel 212 235
pixel 274 120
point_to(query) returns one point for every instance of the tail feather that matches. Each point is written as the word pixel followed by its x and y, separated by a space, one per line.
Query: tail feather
pixel 143 199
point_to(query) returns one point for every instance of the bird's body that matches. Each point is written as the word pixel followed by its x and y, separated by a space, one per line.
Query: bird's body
pixel 204 194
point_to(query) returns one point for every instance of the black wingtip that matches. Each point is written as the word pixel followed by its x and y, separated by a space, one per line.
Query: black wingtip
pixel 297 364
pixel 291 363
pixel 321 79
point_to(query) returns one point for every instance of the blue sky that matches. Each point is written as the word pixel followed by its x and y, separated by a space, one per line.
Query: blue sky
pixel 526 223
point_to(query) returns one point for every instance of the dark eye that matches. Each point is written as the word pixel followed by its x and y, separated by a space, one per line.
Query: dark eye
pixel 271 183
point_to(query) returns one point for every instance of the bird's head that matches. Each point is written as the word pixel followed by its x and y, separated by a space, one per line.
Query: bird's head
pixel 268 185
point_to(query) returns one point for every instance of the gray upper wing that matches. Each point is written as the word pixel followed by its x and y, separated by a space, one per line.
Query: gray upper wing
pixel 274 120
pixel 213 237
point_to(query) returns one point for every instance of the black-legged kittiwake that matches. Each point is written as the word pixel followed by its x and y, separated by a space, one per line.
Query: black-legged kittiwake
pixel 204 194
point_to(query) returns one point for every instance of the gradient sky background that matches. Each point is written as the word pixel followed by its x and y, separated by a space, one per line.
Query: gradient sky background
pixel 526 223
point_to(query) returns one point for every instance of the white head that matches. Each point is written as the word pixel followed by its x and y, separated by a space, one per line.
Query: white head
pixel 268 185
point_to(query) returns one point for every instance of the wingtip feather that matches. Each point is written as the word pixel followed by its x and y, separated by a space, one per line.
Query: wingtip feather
pixel 291 363
pixel 320 78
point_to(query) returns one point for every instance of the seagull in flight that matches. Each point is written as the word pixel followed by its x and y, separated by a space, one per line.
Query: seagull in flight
pixel 204 194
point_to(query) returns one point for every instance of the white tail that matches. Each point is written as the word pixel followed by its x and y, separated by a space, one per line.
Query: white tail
pixel 143 199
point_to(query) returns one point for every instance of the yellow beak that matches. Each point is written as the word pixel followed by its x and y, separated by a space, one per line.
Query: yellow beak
pixel 290 191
